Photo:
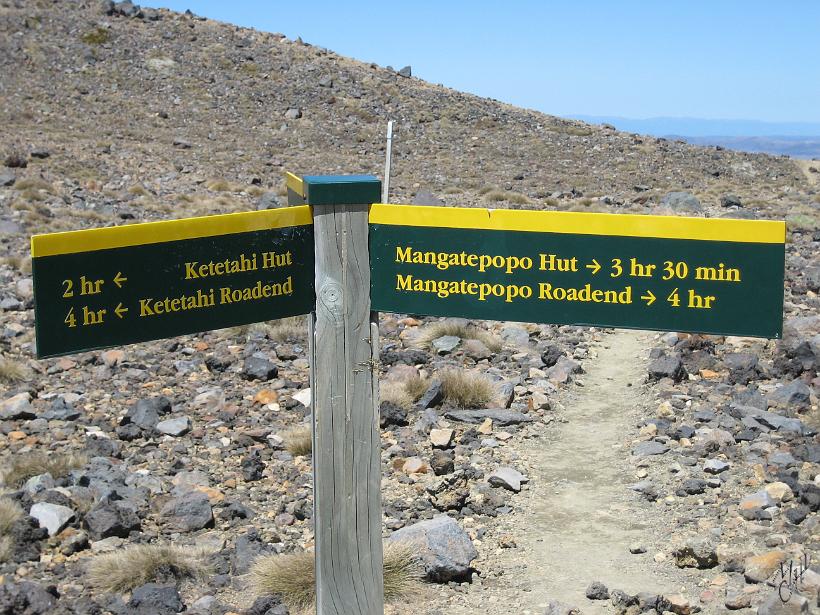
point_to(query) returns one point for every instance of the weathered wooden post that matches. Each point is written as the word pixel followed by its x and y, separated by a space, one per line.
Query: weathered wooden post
pixel 346 443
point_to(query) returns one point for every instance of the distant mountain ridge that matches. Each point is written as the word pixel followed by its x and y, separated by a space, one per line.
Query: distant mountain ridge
pixel 796 139
pixel 698 127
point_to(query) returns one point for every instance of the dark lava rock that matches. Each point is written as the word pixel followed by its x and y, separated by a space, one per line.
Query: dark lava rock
pixel 25 598
pixel 433 396
pixel 146 412
pixel 682 201
pixel 597 591
pixel 111 519
pixel 730 200
pixel 25 535
pixel 796 393
pixel 797 514
pixel 153 599
pixel 247 548
pixel 442 462
pixel 236 510
pixel 499 416
pixel 669 366
pixel 188 512
pixel 252 466
pixel 645 449
pixel 267 605
pixel 551 355
pixel 810 496
pixel 743 367
pixel 693 486
pixel 407 357
pixel 259 368
pixel 444 548
pixel 61 410
pixel 392 414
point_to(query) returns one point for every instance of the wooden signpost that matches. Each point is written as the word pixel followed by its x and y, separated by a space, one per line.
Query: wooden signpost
pixel 341 258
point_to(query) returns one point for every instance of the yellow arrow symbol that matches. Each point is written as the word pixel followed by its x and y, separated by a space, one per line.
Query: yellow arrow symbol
pixel 119 279
pixel 119 310
pixel 595 266
pixel 648 297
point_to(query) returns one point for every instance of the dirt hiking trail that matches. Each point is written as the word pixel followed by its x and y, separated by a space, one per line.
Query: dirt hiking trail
pixel 577 521
pixel 583 518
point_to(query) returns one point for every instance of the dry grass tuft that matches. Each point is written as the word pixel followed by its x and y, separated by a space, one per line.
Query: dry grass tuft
pixel 97 36
pixel 126 569
pixel 466 389
pixel 32 183
pixel 12 371
pixel 292 576
pixel 416 386
pixel 441 328
pixel 396 394
pixel 10 511
pixel 505 195
pixel 23 467
pixel 221 185
pixel 292 329
pixel 5 549
pixel 299 440
pixel 21 263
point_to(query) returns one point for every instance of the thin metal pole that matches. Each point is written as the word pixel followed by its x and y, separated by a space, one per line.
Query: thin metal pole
pixel 386 184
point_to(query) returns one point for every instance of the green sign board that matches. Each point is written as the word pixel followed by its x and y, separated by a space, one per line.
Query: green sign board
pixel 665 273
pixel 120 285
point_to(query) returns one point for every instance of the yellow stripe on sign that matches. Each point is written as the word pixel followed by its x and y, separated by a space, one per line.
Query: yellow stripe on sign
pixel 626 225
pixel 89 240
pixel 295 183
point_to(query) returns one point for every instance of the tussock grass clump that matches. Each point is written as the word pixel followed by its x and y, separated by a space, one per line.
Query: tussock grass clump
pixel 416 386
pixel 97 36
pixel 219 185
pixel 292 329
pixel 466 389
pixel 441 328
pixel 12 371
pixel 396 394
pixel 506 195
pixel 299 440
pixel 293 577
pixel 32 183
pixel 126 569
pixel 21 263
pixel 9 513
pixel 23 467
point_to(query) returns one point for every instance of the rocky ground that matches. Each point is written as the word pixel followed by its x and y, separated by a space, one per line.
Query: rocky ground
pixel 559 489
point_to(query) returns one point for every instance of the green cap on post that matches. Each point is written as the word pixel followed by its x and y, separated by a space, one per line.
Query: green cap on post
pixel 342 189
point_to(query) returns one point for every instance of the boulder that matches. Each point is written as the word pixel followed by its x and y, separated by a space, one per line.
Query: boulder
pixel 669 366
pixel 111 519
pixel 444 548
pixel 154 599
pixel 53 517
pixel 499 416
pixel 682 201
pixel 188 512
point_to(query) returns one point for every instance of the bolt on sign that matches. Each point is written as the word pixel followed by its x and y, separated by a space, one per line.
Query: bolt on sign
pixel 718 276
pixel 119 285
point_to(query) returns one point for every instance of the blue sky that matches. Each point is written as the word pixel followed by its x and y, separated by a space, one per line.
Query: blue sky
pixel 708 59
